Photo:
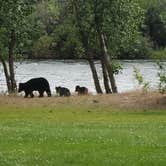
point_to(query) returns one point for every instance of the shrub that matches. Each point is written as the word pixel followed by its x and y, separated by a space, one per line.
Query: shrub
pixel 140 48
pixel 162 77
pixel 159 54
pixel 145 85
pixel 41 48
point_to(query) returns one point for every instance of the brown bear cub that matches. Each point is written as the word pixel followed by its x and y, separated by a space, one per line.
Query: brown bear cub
pixel 35 84
pixel 81 90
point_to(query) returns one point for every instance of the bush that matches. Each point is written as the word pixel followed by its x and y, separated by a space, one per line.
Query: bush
pixel 162 77
pixel 159 54
pixel 66 42
pixel 140 49
pixel 144 85
pixel 41 48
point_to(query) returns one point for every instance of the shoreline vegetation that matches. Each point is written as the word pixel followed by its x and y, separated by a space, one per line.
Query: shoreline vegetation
pixel 154 57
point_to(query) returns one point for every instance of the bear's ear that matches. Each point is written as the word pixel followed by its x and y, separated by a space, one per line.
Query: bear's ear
pixel 77 87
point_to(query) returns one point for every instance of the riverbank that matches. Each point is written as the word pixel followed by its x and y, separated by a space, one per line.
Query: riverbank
pixel 121 129
pixel 130 100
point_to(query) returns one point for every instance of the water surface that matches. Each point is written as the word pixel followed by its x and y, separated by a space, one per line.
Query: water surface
pixel 70 73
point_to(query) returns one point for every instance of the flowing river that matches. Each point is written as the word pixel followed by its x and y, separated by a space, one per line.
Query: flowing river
pixel 69 73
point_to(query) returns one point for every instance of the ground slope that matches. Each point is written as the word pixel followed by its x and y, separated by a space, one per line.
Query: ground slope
pixel 123 129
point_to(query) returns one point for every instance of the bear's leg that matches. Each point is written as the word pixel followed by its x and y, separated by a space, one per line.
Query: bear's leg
pixel 32 95
pixel 61 93
pixel 26 94
pixel 41 94
pixel 65 94
pixel 48 93
pixel 68 94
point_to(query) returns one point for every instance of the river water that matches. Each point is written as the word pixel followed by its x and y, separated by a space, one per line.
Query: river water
pixel 70 73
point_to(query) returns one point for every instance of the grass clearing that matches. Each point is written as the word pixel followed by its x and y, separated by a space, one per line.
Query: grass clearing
pixel 79 131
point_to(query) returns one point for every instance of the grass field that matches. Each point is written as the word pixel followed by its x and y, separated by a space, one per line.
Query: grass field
pixel 83 131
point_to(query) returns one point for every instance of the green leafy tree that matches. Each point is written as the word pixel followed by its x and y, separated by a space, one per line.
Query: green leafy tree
pixel 82 19
pixel 109 26
pixel 66 42
pixel 12 20
pixel 154 26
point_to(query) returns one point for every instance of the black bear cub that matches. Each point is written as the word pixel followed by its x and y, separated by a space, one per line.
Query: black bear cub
pixel 62 91
pixel 35 84
pixel 81 90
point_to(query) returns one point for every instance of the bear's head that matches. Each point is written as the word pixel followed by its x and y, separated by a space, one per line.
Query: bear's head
pixel 58 89
pixel 77 88
pixel 20 87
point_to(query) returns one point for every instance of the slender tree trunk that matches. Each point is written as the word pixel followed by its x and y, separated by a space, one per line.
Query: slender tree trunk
pixel 103 47
pixel 92 66
pixel 6 75
pixel 94 74
pixel 84 40
pixel 107 62
pixel 105 77
pixel 12 44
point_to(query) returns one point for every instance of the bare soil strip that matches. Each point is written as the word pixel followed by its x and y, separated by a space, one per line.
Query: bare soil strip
pixel 150 100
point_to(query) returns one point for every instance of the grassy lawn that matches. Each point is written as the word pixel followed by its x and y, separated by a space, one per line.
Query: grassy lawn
pixel 81 136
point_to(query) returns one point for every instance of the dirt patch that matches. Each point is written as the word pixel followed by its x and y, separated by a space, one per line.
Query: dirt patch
pixel 131 100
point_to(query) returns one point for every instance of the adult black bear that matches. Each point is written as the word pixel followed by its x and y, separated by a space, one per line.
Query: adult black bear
pixel 81 90
pixel 36 84
pixel 62 91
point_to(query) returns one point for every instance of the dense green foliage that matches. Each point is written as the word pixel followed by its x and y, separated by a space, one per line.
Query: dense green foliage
pixel 13 16
pixel 50 31
pixel 88 29
pixel 13 19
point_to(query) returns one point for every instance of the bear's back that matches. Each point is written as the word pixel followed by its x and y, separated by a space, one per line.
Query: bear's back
pixel 37 83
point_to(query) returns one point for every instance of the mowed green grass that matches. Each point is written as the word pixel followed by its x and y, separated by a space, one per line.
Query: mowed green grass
pixel 86 136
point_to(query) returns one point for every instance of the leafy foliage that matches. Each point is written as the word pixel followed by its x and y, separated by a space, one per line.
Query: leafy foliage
pixel 140 48
pixel 140 79
pixel 121 20
pixel 12 17
pixel 162 77
pixel 41 47
pixel 155 26
pixel 66 41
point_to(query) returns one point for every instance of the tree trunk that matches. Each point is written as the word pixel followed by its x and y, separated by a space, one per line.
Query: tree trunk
pixel 103 47
pixel 107 62
pixel 94 74
pixel 6 75
pixel 12 44
pixel 84 40
pixel 105 77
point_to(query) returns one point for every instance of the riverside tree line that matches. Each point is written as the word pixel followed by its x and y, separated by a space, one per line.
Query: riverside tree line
pixel 98 29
